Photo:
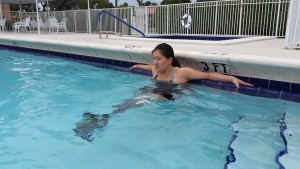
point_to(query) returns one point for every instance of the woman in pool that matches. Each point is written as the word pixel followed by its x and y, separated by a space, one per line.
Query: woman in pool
pixel 166 68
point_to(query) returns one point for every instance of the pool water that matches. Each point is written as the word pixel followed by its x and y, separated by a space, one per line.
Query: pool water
pixel 42 99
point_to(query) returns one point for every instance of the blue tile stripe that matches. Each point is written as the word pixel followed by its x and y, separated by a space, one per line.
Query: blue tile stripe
pixel 263 87
pixel 283 127
pixel 231 157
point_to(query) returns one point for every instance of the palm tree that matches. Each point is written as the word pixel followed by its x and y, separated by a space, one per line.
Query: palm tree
pixel 140 2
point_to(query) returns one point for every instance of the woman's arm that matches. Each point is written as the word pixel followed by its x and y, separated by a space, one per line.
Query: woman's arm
pixel 139 66
pixel 192 74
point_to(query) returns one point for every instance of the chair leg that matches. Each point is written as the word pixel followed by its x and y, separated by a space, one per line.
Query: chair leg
pixel 18 28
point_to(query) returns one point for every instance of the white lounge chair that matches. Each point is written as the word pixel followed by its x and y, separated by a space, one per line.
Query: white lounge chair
pixel 62 26
pixel 53 25
pixel 34 25
pixel 24 24
pixel 42 25
pixel 2 24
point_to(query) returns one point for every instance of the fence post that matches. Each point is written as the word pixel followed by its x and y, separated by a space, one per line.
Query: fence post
pixel 75 21
pixel 277 21
pixel 216 17
pixel 288 33
pixel 131 18
pixel 187 31
pixel 146 19
pixel 241 15
pixel 87 20
pixel 64 14
pixel 89 17
pixel 1 16
pixel 168 19
pixel 116 22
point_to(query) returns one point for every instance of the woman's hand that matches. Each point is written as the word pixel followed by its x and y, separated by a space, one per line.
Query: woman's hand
pixel 237 82
pixel 134 67
pixel 141 66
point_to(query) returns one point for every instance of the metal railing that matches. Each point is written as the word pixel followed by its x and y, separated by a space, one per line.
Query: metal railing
pixel 228 17
pixel 292 39
pixel 117 18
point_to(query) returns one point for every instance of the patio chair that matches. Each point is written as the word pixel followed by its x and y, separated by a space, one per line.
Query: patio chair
pixel 63 25
pixel 53 25
pixel 24 24
pixel 33 25
pixel 2 24
pixel 43 26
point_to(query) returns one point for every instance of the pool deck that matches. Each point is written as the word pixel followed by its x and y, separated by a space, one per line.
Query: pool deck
pixel 269 53
pixel 273 48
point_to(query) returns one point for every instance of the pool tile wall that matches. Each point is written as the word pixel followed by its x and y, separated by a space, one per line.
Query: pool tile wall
pixel 263 87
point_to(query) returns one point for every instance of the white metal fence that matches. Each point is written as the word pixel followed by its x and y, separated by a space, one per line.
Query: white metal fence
pixel 228 17
pixel 293 26
pixel 234 17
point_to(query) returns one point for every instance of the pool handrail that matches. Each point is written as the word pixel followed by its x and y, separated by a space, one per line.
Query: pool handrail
pixel 119 19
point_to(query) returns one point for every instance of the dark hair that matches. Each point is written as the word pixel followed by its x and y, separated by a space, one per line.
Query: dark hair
pixel 168 52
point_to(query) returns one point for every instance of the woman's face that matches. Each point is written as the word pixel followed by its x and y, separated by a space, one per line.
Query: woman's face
pixel 161 62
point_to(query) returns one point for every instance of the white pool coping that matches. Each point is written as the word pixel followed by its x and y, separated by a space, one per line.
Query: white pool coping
pixel 260 57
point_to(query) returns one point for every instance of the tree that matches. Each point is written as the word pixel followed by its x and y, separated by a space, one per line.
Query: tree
pixel 24 7
pixel 124 5
pixel 140 2
pixel 79 4
pixel 165 2
pixel 63 5
pixel 202 0
pixel 148 3
pixel 93 4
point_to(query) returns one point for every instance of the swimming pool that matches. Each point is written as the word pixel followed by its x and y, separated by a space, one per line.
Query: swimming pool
pixel 43 98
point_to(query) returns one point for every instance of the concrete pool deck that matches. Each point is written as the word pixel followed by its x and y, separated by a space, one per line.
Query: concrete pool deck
pixel 263 58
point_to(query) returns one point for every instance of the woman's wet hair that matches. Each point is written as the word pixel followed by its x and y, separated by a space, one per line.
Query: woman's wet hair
pixel 168 52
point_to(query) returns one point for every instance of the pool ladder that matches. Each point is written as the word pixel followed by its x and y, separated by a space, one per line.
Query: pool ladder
pixel 119 19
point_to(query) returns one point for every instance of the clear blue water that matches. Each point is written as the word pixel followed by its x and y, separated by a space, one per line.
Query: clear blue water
pixel 43 98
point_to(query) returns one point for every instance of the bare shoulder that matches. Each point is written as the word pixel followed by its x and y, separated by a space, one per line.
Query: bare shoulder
pixel 190 73
pixel 185 70
pixel 183 73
